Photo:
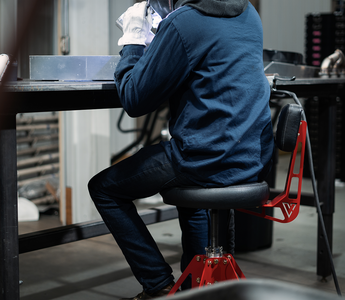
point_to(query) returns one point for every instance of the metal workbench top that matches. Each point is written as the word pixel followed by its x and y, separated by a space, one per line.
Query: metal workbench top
pixel 51 86
pixel 38 96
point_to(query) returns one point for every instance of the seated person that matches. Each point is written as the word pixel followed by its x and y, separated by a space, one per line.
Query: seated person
pixel 206 60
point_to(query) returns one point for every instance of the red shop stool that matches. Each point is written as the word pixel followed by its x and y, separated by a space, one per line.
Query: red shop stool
pixel 214 265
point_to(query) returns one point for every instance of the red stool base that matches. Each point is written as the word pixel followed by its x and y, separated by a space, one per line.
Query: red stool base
pixel 208 270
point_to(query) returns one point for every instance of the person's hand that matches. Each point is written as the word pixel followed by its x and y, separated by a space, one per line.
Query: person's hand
pixel 137 23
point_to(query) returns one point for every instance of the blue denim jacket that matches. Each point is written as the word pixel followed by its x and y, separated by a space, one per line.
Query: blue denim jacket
pixel 211 71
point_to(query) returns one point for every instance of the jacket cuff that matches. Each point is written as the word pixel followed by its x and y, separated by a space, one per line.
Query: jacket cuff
pixel 136 50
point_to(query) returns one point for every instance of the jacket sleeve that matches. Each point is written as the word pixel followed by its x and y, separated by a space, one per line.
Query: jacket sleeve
pixel 146 79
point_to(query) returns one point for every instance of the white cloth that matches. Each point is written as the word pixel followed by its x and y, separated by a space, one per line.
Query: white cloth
pixel 137 23
pixel 27 210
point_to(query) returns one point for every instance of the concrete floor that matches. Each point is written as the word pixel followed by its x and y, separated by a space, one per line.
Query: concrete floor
pixel 96 269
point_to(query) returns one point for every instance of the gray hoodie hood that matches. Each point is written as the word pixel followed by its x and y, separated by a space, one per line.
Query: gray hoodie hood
pixel 216 8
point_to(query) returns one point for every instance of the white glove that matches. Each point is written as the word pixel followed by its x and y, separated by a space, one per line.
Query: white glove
pixel 137 23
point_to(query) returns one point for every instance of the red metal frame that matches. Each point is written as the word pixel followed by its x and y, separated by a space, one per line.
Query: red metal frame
pixel 288 206
pixel 208 270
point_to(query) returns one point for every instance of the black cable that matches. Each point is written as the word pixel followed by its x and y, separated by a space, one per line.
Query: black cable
pixel 120 127
pixel 313 180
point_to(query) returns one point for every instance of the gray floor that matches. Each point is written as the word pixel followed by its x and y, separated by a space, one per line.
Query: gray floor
pixel 96 269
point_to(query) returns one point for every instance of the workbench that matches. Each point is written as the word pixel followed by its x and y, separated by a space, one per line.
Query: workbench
pixel 46 96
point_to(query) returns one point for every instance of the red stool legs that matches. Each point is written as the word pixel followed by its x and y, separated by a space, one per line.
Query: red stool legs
pixel 208 270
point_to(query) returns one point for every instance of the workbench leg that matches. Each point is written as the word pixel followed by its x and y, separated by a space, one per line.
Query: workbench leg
pixel 9 257
pixel 326 180
pixel 323 264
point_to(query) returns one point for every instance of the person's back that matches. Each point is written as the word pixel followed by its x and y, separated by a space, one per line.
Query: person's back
pixel 220 117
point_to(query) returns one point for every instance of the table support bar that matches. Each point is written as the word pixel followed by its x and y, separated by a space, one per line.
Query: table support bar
pixel 77 232
pixel 9 271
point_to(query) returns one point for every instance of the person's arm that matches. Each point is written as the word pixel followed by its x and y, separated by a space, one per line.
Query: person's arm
pixel 145 80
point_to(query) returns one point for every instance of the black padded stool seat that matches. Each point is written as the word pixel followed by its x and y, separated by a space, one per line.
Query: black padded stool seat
pixel 248 195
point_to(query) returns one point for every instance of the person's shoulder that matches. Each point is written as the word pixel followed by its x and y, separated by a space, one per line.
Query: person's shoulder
pixel 181 11
pixel 175 18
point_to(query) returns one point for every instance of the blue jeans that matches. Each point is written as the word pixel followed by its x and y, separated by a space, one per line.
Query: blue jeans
pixel 142 175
